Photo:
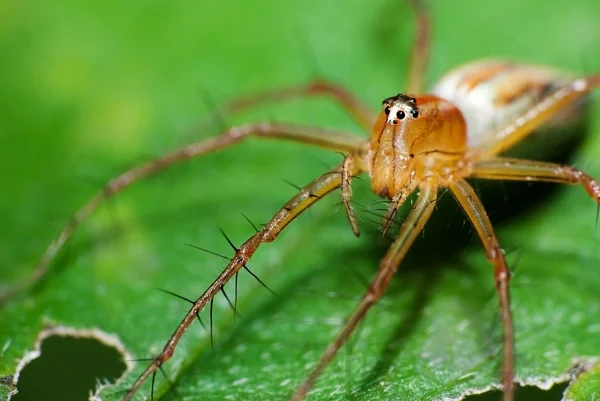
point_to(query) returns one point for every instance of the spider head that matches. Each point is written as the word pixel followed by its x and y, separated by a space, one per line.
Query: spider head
pixel 398 119
pixel 398 108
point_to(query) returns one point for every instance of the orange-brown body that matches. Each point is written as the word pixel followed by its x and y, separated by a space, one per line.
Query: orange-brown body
pixel 441 134
pixel 430 140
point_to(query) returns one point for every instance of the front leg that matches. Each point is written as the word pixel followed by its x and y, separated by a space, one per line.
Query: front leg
pixel 412 226
pixel 346 188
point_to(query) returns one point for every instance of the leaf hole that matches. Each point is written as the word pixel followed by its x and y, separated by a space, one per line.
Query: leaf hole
pixel 70 365
pixel 526 393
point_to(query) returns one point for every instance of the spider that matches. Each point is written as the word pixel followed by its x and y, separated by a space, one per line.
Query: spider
pixel 419 143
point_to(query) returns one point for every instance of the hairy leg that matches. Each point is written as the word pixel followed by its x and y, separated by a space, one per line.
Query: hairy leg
pixel 304 199
pixel 469 201
pixel 358 110
pixel 411 227
pixel 397 201
pixel 504 168
pixel 342 142
pixel 347 168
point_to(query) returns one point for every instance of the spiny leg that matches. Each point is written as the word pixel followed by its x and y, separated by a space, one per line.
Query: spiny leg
pixel 471 204
pixel 361 113
pixel 505 168
pixel 420 51
pixel 304 199
pixel 342 142
pixel 409 230
pixel 511 134
pixel 396 203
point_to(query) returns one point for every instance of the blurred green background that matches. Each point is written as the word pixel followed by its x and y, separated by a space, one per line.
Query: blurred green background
pixel 88 89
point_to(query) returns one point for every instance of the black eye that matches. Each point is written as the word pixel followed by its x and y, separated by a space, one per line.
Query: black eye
pixel 415 114
pixel 386 110
pixel 400 115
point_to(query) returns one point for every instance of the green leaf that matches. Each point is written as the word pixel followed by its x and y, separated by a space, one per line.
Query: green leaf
pixel 92 88
pixel 586 386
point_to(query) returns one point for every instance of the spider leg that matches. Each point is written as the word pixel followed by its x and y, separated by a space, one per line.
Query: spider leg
pixel 357 109
pixel 299 203
pixel 346 189
pixel 504 168
pixel 409 230
pixel 551 105
pixel 397 201
pixel 471 204
pixel 342 142
pixel 420 51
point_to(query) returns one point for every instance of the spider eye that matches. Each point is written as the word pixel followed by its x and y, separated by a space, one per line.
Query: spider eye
pixel 386 110
pixel 415 114
pixel 400 114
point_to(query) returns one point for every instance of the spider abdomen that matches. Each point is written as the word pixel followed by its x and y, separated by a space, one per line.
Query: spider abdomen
pixel 493 93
